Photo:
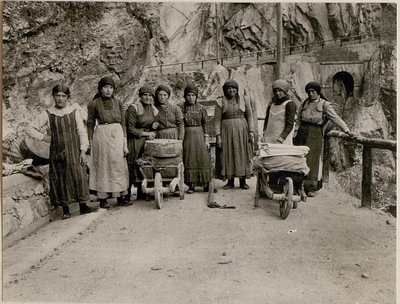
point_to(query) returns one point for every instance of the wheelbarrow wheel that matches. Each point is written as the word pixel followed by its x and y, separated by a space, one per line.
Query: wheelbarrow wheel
pixel 158 195
pixel 286 203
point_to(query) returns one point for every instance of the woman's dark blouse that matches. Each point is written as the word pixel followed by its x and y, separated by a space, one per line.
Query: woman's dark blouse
pixel 105 111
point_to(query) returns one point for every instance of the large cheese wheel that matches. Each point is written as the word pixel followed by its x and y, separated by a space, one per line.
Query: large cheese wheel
pixel 163 148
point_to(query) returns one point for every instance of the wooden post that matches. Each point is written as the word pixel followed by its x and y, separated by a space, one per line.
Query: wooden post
pixel 366 177
pixel 326 164
pixel 279 40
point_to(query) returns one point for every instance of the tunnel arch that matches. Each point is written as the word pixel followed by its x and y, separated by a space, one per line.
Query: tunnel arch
pixel 345 80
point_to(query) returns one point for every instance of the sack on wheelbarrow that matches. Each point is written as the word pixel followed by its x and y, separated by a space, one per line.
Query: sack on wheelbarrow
pixel 282 157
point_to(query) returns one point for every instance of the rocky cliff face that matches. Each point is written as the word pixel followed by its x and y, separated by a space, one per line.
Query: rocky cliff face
pixel 45 43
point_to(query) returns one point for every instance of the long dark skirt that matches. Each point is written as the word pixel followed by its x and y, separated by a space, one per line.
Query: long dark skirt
pixel 136 150
pixel 233 160
pixel 196 159
pixel 312 136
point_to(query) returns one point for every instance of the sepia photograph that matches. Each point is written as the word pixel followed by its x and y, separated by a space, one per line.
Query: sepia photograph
pixel 199 152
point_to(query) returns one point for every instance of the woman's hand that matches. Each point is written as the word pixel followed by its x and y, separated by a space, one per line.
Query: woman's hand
pixel 219 141
pixel 207 144
pixel 47 138
pixel 251 137
pixel 83 158
pixel 125 147
pixel 149 135
pixel 351 134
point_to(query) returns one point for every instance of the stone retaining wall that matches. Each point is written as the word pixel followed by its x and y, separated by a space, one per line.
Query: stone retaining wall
pixel 25 203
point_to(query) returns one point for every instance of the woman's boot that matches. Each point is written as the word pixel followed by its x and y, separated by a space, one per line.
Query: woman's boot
pixel 83 208
pixel 191 188
pixel 243 184
pixel 104 204
pixel 66 214
pixel 230 184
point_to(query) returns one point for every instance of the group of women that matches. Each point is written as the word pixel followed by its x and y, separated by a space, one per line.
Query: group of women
pixel 114 139
pixel 286 124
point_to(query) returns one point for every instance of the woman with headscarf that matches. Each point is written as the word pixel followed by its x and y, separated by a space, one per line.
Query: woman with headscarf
pixel 279 119
pixel 63 127
pixel 139 125
pixel 196 159
pixel 312 116
pixel 170 117
pixel 234 129
pixel 107 135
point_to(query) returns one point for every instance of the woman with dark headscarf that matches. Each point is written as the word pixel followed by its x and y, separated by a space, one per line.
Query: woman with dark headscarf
pixel 196 159
pixel 170 117
pixel 312 116
pixel 234 129
pixel 139 125
pixel 280 115
pixel 107 136
pixel 63 127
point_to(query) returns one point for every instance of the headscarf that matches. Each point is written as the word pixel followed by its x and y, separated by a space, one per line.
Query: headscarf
pixel 230 83
pixel 146 88
pixel 160 88
pixel 281 85
pixel 313 85
pixel 317 87
pixel 61 88
pixel 105 81
pixel 191 89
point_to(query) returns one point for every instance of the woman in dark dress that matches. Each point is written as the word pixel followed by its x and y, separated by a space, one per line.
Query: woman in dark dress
pixel 107 135
pixel 312 116
pixel 68 145
pixel 170 117
pixel 234 128
pixel 196 159
pixel 139 125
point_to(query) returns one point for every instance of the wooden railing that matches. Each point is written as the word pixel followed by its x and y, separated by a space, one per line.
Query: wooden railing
pixel 368 144
pixel 269 54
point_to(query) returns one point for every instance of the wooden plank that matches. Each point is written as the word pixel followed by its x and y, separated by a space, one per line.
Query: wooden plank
pixel 377 143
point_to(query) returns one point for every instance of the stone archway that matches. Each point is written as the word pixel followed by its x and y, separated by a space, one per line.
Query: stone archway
pixel 342 99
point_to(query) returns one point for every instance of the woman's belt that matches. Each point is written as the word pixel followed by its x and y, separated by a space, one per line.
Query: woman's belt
pixel 232 116
pixel 168 128
pixel 108 123
pixel 310 123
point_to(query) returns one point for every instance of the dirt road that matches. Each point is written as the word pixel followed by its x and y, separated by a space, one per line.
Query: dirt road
pixel 327 251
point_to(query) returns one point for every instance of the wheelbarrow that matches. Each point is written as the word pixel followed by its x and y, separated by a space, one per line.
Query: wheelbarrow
pixel 164 180
pixel 285 186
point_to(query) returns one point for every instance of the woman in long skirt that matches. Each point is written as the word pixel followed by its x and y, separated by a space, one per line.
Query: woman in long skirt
pixel 107 135
pixel 312 116
pixel 139 124
pixel 234 129
pixel 62 126
pixel 196 159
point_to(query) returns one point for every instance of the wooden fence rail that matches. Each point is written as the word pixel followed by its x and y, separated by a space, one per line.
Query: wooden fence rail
pixel 368 144
pixel 272 52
